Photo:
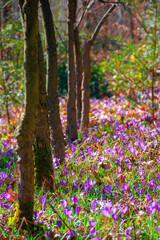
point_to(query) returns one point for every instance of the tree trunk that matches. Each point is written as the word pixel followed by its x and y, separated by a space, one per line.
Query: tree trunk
pixel 57 138
pixel 78 59
pixel 87 71
pixel 26 132
pixel 71 108
pixel 86 87
pixel 42 148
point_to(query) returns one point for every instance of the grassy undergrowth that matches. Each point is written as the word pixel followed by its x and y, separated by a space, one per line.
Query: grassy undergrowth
pixel 109 186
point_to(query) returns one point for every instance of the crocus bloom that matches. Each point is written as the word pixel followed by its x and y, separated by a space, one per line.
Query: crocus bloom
pixel 72 174
pixel 151 209
pixel 92 230
pixel 115 216
pixel 127 232
pixel 43 200
pixel 108 188
pixel 93 205
pixel 92 223
pixel 78 209
pixel 105 212
pixel 74 199
pixel 68 212
pixel 64 203
pixel 96 238
pixel 59 223
pixel 124 210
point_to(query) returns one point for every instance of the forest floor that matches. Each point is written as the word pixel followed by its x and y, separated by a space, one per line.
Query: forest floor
pixel 109 185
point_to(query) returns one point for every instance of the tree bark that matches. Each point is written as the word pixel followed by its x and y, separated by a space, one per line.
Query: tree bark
pixel 87 71
pixel 71 108
pixel 57 138
pixel 78 60
pixel 26 132
pixel 86 87
pixel 42 147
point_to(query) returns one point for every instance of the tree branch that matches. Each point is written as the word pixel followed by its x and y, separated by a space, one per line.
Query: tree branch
pixel 88 6
pixel 101 22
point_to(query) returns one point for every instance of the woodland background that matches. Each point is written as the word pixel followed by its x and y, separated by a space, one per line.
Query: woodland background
pixel 102 182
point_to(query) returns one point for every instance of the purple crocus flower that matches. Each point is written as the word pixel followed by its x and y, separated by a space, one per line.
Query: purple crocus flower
pixel 115 216
pixel 74 199
pixel 43 200
pixel 151 208
pixel 143 145
pixel 78 209
pixel 35 213
pixel 72 174
pixel 47 234
pixel 64 203
pixel 124 186
pixel 89 150
pixel 7 196
pixel 124 210
pixel 9 152
pixel 8 206
pixel 140 172
pixel 92 223
pixel 119 170
pixel 59 223
pixel 108 188
pixel 64 170
pixel 158 207
pixel 105 211
pixel 3 175
pixel 39 214
pixel 96 238
pixel 68 212
pixel 9 163
pixel 71 233
pixel 92 230
pixel 73 148
pixel 93 205
pixel 129 165
pixel 127 232
pixel 89 184
pixel 148 196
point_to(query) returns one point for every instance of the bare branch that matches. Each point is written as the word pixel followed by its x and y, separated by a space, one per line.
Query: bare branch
pixel 101 22
pixel 88 6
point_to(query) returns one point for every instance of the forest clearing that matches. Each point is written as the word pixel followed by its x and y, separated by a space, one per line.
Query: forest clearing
pixel 80 120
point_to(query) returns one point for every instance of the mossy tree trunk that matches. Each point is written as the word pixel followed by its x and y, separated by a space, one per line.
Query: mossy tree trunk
pixel 26 132
pixel 42 147
pixel 78 61
pixel 57 138
pixel 87 71
pixel 71 107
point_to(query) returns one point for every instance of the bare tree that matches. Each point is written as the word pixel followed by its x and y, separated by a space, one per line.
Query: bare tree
pixel 87 70
pixel 26 132
pixel 42 146
pixel 71 109
pixel 57 138
pixel 78 62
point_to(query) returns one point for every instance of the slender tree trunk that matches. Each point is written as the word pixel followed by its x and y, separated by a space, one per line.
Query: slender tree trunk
pixel 86 87
pixel 57 138
pixel 87 71
pixel 71 108
pixel 78 61
pixel 78 58
pixel 26 132
pixel 5 13
pixel 42 148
